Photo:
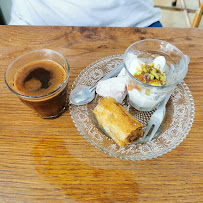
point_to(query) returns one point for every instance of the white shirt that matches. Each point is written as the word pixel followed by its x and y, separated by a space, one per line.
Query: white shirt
pixel 108 13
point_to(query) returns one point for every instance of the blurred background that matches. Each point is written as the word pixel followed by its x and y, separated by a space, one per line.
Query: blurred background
pixel 179 16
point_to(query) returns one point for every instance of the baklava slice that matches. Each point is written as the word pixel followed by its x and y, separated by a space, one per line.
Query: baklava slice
pixel 117 122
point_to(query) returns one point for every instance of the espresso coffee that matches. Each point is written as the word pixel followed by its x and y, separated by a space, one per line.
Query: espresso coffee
pixel 41 78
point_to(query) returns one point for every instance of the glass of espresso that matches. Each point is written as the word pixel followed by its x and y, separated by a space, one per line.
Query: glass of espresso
pixel 40 79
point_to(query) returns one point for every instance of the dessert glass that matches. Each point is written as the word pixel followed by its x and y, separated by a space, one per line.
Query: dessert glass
pixel 143 96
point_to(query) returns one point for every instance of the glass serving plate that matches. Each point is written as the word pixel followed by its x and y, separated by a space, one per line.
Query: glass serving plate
pixel 176 125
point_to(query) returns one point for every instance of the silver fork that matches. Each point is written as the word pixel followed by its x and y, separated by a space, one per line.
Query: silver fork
pixel 156 120
pixel 158 116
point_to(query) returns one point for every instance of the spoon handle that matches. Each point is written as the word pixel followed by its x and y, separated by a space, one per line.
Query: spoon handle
pixel 114 72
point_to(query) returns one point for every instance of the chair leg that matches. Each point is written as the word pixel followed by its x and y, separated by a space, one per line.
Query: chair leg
pixel 198 16
pixel 174 2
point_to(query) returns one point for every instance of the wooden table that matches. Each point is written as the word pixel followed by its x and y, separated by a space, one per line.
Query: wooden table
pixel 50 161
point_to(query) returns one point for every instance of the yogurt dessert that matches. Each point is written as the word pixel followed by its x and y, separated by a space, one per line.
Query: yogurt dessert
pixel 145 97
pixel 162 67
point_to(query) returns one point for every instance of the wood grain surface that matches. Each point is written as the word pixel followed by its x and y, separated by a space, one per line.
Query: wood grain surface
pixel 50 161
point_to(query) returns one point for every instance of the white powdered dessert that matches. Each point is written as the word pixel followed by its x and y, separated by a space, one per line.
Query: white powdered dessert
pixel 113 87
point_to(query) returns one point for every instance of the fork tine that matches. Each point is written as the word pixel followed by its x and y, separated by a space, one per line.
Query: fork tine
pixel 153 132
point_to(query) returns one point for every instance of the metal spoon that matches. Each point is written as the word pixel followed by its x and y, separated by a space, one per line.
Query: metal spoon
pixel 83 94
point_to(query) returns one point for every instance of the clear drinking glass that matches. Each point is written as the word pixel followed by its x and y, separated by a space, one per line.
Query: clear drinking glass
pixel 143 96
pixel 52 103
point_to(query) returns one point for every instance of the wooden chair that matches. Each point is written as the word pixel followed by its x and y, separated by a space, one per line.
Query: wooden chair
pixel 198 14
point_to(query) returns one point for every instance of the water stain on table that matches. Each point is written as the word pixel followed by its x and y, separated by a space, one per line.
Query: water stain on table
pixel 76 179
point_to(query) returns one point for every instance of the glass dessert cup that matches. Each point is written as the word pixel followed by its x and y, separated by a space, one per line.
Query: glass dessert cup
pixel 143 96
pixel 51 104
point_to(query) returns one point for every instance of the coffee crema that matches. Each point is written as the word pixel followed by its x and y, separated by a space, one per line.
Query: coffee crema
pixel 39 78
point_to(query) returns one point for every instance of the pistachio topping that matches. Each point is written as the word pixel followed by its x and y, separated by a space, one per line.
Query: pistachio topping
pixel 147 92
pixel 151 75
pixel 138 73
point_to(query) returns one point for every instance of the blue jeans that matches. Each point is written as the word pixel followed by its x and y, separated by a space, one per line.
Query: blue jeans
pixel 156 24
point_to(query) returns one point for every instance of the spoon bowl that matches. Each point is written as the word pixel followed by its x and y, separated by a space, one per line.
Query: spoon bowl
pixel 82 95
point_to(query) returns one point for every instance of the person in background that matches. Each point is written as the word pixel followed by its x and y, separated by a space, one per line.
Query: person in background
pixel 100 13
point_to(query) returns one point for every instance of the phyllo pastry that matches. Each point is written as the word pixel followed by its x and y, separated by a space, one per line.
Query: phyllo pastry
pixel 117 122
